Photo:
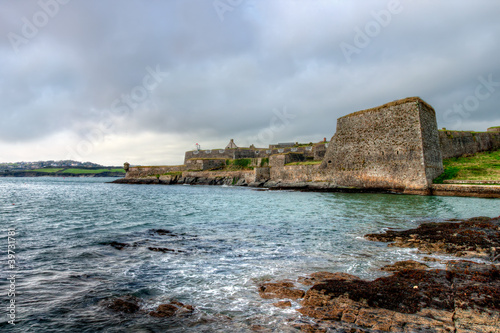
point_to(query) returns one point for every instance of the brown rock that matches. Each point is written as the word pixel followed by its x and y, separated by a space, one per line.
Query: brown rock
pixel 430 259
pixel 323 276
pixel 473 237
pixel 402 265
pixel 283 304
pixel 170 309
pixel 280 289
pixel 465 296
pixel 164 310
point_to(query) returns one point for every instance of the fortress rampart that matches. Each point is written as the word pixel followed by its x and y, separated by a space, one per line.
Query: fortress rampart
pixel 314 151
pixel 459 143
pixel 393 147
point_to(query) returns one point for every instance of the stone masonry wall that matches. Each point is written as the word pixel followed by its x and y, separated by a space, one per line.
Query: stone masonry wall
pixel 383 148
pixel 141 172
pixel 458 143
pixel 296 173
pixel 315 152
pixel 433 160
pixel 247 175
pixel 204 163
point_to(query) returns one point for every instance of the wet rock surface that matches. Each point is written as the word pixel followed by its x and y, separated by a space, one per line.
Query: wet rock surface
pixel 280 289
pixel 132 305
pixel 126 304
pixel 402 265
pixel 476 237
pixel 156 237
pixel 464 297
pixel 171 309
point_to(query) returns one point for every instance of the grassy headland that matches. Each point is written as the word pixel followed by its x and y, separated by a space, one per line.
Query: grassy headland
pixel 481 167
pixel 66 172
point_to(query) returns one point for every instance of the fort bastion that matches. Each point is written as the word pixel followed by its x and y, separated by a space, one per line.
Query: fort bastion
pixel 393 147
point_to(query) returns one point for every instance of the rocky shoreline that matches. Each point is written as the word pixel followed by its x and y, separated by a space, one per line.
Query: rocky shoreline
pixel 481 191
pixel 464 297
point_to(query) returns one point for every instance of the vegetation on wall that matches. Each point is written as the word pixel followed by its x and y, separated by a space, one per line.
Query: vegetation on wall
pixel 238 164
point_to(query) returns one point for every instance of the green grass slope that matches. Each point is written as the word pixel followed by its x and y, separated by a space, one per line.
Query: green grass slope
pixel 482 166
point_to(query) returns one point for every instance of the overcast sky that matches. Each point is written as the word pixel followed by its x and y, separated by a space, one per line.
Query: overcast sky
pixel 143 81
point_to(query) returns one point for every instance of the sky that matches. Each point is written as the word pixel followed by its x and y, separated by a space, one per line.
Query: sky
pixel 144 81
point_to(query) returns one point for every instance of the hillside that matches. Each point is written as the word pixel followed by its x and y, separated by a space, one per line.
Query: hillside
pixel 67 172
pixel 478 168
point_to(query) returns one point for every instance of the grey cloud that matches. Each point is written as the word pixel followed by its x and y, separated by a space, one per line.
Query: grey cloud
pixel 226 77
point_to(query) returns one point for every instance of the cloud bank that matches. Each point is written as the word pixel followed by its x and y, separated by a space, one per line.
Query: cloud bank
pixel 143 81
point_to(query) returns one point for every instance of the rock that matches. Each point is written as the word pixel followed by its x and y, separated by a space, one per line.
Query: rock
pixel 280 289
pixel 119 246
pixel 478 237
pixel 430 259
pixel 174 308
pixel 162 232
pixel 164 310
pixel 322 276
pixel 127 304
pixel 465 296
pixel 241 182
pixel 283 304
pixel 402 265
pixel 161 249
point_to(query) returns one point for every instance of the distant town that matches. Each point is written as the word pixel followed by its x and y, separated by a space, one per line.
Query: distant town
pixel 23 166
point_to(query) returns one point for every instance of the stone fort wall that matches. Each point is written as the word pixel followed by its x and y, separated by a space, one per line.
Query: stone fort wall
pixel 315 152
pixel 394 146
pixel 148 171
pixel 459 143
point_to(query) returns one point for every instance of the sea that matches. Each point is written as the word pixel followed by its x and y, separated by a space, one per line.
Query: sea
pixel 64 270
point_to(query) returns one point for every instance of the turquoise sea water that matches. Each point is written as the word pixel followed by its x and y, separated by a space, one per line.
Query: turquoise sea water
pixel 230 237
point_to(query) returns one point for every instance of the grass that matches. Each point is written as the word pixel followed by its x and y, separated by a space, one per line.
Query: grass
pixel 305 163
pixel 482 166
pixel 48 170
pixel 90 171
pixel 238 164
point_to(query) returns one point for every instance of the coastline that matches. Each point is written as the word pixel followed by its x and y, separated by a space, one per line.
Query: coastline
pixel 30 174
pixel 453 190
pixel 463 297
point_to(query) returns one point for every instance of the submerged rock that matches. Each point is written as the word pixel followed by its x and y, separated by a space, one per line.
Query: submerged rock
pixel 162 232
pixel 171 309
pixel 280 289
pixel 126 304
pixel 119 246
